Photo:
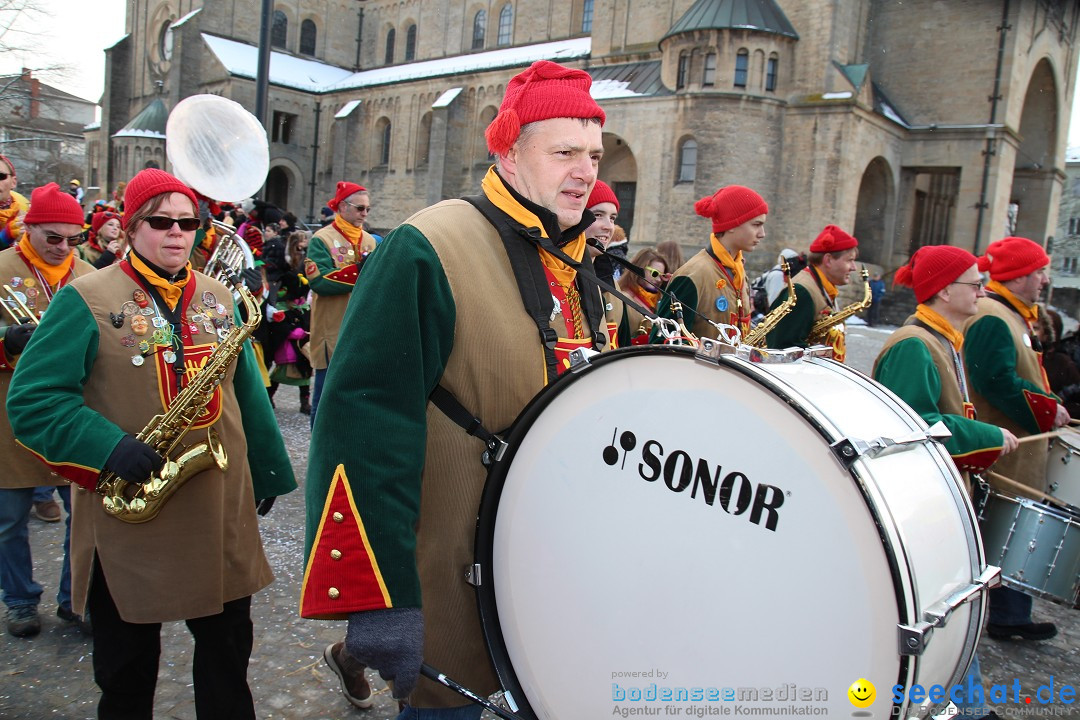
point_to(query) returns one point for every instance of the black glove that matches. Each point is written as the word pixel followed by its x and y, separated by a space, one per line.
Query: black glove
pixel 263 506
pixel 253 279
pixel 16 337
pixel 390 641
pixel 133 460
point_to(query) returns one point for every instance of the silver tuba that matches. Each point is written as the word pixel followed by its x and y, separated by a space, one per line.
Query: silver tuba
pixel 219 149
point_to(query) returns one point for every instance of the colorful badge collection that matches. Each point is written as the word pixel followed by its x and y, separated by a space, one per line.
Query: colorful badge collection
pixel 29 293
pixel 139 317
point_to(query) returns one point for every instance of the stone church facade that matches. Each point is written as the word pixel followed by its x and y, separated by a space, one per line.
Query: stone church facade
pixel 909 123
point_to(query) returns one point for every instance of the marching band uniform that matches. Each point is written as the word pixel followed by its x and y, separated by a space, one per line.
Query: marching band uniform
pixel 1010 389
pixel 34 281
pixel 391 515
pixel 108 358
pixel 712 284
pixel 815 297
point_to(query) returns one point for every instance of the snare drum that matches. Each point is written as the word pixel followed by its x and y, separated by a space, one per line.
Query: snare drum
pixel 1063 468
pixel 1037 547
pixel 665 530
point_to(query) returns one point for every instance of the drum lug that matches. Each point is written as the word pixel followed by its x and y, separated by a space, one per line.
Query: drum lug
pixel 848 450
pixel 938 614
pixel 472 574
pixel 579 358
pixel 711 350
pixel 913 639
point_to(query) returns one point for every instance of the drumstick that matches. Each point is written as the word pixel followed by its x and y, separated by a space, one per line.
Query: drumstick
pixel 433 674
pixel 1028 492
pixel 1040 436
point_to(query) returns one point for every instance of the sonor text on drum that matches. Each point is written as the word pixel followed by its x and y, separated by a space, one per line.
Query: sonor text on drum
pixel 735 491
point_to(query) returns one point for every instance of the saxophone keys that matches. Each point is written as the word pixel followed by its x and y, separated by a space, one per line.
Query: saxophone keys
pixel 169 471
pixel 136 505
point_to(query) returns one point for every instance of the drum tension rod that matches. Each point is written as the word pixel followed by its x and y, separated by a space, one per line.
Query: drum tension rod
pixel 913 639
pixel 848 450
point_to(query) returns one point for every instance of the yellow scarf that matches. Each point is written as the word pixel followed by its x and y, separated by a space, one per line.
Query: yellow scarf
pixel 936 321
pixel 1030 313
pixel 830 289
pixel 738 270
pixel 53 274
pixel 648 299
pixel 352 233
pixel 498 194
pixel 170 292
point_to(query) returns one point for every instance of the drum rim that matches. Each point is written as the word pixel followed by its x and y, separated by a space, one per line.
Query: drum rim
pixel 485 525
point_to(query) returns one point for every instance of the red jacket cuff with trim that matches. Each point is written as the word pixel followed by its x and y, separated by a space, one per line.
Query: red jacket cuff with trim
pixel 1043 409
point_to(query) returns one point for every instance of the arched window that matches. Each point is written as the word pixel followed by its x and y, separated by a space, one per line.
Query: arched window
pixel 506 24
pixel 389 60
pixel 423 141
pixel 410 43
pixel 279 29
pixel 383 129
pixel 478 24
pixel 687 161
pixel 742 65
pixel 684 70
pixel 586 16
pixel 770 73
pixel 307 37
pixel 708 76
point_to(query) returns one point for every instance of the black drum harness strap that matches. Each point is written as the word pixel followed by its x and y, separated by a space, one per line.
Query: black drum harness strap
pixel 539 304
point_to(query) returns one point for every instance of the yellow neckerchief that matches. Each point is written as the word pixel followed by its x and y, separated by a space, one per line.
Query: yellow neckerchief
pixel 1030 313
pixel 209 238
pixel 497 193
pixel 738 270
pixel 352 233
pixel 938 322
pixel 829 288
pixel 648 298
pixel 53 274
pixel 171 292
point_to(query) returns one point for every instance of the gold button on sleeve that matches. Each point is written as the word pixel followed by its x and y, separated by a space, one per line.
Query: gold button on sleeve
pixel 335 554
pixel 334 593
pixel 338 517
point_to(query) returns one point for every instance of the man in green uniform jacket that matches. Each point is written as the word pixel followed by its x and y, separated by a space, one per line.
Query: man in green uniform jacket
pixel 394 484
pixel 1010 389
pixel 921 363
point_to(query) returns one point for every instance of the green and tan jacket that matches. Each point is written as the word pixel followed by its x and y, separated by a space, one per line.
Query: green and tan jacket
pixel 702 285
pixel 393 485
pixel 77 391
pixel 332 267
pixel 1009 387
pixel 21 469
pixel 811 304
pixel 916 365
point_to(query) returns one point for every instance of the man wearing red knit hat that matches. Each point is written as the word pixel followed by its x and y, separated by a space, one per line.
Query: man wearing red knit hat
pixel 335 255
pixel 832 260
pixel 921 362
pixel 711 286
pixel 481 298
pixel 1010 389
pixel 35 268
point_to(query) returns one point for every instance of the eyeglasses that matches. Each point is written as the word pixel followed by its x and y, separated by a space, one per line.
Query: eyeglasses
pixel 359 208
pixel 977 285
pixel 4 176
pixel 54 239
pixel 655 274
pixel 160 222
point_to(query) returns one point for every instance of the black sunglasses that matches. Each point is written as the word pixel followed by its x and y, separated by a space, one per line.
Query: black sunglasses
pixel 54 239
pixel 4 176
pixel 160 222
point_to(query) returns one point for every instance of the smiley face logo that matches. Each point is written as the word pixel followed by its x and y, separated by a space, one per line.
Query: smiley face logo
pixel 862 693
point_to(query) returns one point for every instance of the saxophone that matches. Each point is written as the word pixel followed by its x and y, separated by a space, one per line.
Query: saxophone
pixel 825 330
pixel 756 336
pixel 134 503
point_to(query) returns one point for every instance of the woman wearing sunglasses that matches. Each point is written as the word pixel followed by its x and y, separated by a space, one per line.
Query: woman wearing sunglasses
pixel 712 285
pixel 634 328
pixel 94 377
pixel 12 205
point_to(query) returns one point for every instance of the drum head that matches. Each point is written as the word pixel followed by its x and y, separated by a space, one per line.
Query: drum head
pixel 217 147
pixel 662 525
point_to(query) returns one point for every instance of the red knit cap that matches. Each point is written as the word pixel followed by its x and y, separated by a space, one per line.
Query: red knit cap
pixel 101 218
pixel 1013 257
pixel 931 268
pixel 147 185
pixel 730 207
pixel 344 190
pixel 601 193
pixel 832 239
pixel 543 91
pixel 50 204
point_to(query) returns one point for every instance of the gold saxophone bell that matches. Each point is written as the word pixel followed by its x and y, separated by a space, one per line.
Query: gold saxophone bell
pixel 826 330
pixel 756 336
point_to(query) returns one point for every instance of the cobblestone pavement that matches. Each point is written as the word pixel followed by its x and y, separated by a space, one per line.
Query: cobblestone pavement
pixel 50 676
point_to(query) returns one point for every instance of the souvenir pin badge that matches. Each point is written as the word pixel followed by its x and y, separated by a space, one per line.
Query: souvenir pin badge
pixel 140 298
pixel 137 360
pixel 29 282
pixel 160 322
pixel 128 341
pixel 139 325
pixel 117 321
pixel 721 283
pixel 209 298
pixel 144 346
pixel 721 303
pixel 169 356
pixel 129 308
pixel 16 281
